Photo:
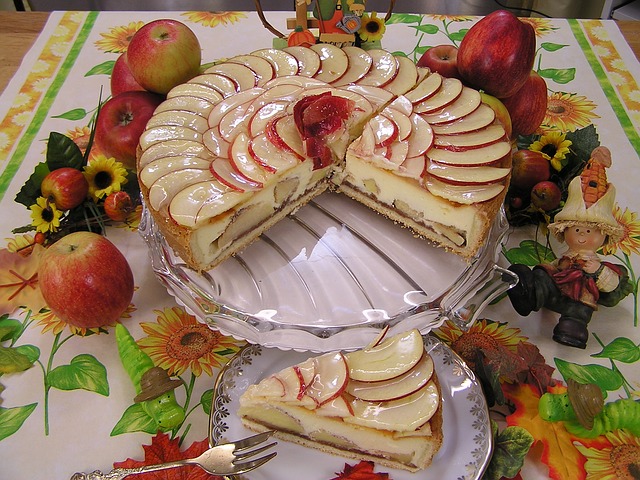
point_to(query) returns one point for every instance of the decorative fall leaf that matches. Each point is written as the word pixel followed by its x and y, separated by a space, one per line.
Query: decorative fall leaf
pixel 563 459
pixel 163 449
pixel 361 471
pixel 538 373
pixel 19 280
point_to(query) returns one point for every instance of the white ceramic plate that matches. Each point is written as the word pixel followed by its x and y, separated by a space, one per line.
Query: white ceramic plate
pixel 330 277
pixel 467 444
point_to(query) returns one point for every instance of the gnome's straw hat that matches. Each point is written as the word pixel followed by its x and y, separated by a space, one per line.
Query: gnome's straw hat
pixel 155 382
pixel 598 213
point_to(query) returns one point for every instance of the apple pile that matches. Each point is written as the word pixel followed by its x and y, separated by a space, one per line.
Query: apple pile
pixel 388 385
pixel 496 56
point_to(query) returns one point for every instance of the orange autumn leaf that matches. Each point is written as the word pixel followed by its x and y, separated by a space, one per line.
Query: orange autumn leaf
pixel 361 471
pixel 19 280
pixel 564 460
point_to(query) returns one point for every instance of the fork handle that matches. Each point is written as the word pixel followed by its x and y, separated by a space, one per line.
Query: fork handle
pixel 120 473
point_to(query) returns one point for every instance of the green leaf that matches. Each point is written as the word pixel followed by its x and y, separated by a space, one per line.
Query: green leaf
pixel 63 152
pixel 84 372
pixel 459 35
pixel 134 419
pixel 75 114
pixel 552 47
pixel 510 449
pixel 11 419
pixel 584 141
pixel 530 253
pixel 621 349
pixel 10 328
pixel 30 191
pixel 12 360
pixel 605 378
pixel 420 50
pixel 404 18
pixel 428 29
pixel 104 68
pixel 31 351
pixel 206 400
pixel 558 75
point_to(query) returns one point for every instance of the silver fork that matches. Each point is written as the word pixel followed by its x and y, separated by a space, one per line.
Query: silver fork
pixel 218 460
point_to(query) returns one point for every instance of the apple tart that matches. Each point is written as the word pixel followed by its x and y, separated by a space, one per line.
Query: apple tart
pixel 234 150
pixel 381 403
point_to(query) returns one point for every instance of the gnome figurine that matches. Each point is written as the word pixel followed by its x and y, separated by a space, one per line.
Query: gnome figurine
pixel 577 282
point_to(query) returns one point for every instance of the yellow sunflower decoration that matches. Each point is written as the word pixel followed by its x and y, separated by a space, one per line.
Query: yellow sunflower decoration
pixel 45 216
pixel 554 146
pixel 105 176
pixel 372 28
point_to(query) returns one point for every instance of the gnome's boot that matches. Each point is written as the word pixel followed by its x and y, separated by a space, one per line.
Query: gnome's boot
pixel 572 325
pixel 523 295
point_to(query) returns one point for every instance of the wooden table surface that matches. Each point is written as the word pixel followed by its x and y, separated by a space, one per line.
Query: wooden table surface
pixel 20 30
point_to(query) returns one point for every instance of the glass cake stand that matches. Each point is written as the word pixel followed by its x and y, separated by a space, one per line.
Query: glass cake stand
pixel 331 276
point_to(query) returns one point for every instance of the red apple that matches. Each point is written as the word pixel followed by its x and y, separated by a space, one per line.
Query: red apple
pixel 162 54
pixel 497 54
pixel 121 121
pixel 118 206
pixel 529 168
pixel 502 114
pixel 528 105
pixel 85 280
pixel 121 77
pixel 66 187
pixel 546 195
pixel 442 59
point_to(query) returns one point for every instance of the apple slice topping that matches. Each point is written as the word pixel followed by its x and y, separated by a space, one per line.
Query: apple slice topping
pixel 394 388
pixel 482 175
pixel 385 130
pixel 164 188
pixel 405 78
pixel 478 138
pixel 333 62
pixel 401 120
pixel 161 166
pixel 421 138
pixel 448 93
pixel 265 114
pixel 234 121
pixel 338 407
pixel 223 170
pixel 479 118
pixel 283 63
pixel 308 60
pixel 383 70
pixel 181 118
pixel 270 157
pixel 468 101
pixel 168 132
pixel 391 358
pixel 360 63
pixel 195 90
pixel 413 167
pixel 283 133
pixel 215 144
pixel 262 68
pixel 244 163
pixel 230 103
pixel 378 97
pixel 425 89
pixel 194 205
pixel 223 84
pixel 487 155
pixel 170 147
pixel 243 76
pixel 330 378
pixel 189 103
pixel 463 194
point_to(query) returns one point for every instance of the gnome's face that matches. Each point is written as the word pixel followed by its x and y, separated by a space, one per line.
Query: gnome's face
pixel 586 238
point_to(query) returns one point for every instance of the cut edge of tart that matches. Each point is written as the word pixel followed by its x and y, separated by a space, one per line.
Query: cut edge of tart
pixel 381 403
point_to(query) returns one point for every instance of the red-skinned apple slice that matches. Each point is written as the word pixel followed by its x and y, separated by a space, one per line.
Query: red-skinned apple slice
pixel 360 63
pixel 338 407
pixel 259 121
pixel 196 90
pixel 270 157
pixel 402 121
pixel 168 132
pixel 303 82
pixel 406 77
pixel 413 167
pixel 286 135
pixel 394 388
pixel 308 60
pixel 215 144
pixel 284 92
pixel 235 121
pixel 425 89
pixel 243 161
pixel 478 138
pixel 333 62
pixel 464 194
pixel 481 175
pixel 383 70
pixel 421 138
pixel 170 147
pixel 243 76
pixel 194 205
pixel 377 96
pixel 228 104
pixel 222 169
pixel 391 358
pixel 189 103
pixel 182 118
pixel 468 101
pixel 330 379
pixel 384 129
pixel 448 93
pixel 223 84
pixel 480 118
pixel 164 188
pixel 395 153
pixel 261 67
pixel 161 166
pixel 403 414
pixel 488 155
pixel 283 63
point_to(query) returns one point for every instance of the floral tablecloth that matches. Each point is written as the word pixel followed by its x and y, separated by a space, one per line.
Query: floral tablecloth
pixel 66 400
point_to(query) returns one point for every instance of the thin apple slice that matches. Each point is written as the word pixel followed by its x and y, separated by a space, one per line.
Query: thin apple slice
pixel 395 154
pixel 384 129
pixel 308 60
pixel 463 194
pixel 478 138
pixel 479 118
pixel 283 63
pixel 188 103
pixel 395 388
pixel 270 157
pixel 161 166
pixel 230 103
pixel 338 407
pixel 171 147
pixel 215 144
pixel 488 155
pixel 168 132
pixel 261 67
pixel 402 121
pixel 481 175
pixel 181 118
pixel 281 92
pixel 196 90
pixel 286 135
pixel 333 62
pixel 394 356
pixel 243 76
pixel 194 205
pixel 402 104
pixel 404 414
pixel 360 63
pixel 405 78
pixel 243 161
pixel 302 82
pixel 413 167
pixel 265 114
pixel 468 101
pixel 383 71
pixel 222 169
pixel 235 122
pixel 448 93
pixel 422 136
pixel 425 89
pixel 164 188
pixel 330 379
pixel 378 97
pixel 223 84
